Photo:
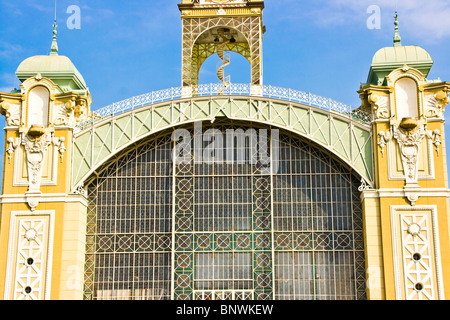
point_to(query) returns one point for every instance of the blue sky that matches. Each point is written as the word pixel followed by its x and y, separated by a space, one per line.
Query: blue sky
pixel 127 48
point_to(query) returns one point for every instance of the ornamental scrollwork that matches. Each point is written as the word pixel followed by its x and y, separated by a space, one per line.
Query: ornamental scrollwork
pixel 435 106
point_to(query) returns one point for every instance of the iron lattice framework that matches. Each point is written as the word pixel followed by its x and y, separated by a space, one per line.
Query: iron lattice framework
pixel 158 229
pixel 332 125
pixel 194 54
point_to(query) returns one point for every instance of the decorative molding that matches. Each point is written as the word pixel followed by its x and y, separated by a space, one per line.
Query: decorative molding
pixel 400 193
pixel 12 146
pixel 380 106
pixel 409 143
pixel 364 186
pixel 81 190
pixel 64 114
pixel 30 255
pixel 436 140
pixel 35 148
pixel 414 235
pixel 391 160
pixel 45 198
pixel 11 113
pixel 384 138
pixel 435 104
pixel 59 143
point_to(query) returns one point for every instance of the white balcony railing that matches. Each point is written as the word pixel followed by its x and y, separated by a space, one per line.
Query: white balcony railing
pixel 233 89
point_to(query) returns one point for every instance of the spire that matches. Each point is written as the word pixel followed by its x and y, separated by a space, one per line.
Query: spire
pixel 397 38
pixel 54 47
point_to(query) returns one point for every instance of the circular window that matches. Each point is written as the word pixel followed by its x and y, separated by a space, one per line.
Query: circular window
pixel 243 241
pixel 263 280
pixel 323 240
pixel 263 260
pixel 418 286
pixel 184 223
pixel 104 243
pixel 184 261
pixel 303 240
pixel 184 185
pixel 223 241
pixel 203 242
pixel 184 167
pixel 417 256
pixel 184 204
pixel 164 242
pixel 262 241
pixel 184 242
pixel 30 261
pixel 262 203
pixel 144 242
pixel 283 241
pixel 262 222
pixel 262 184
pixel 343 241
pixel 124 242
pixel 183 281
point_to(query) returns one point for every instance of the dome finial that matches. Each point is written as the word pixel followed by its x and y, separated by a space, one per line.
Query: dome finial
pixel 54 48
pixel 397 38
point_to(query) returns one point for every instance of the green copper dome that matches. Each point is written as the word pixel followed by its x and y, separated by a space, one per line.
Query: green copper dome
pixel 59 69
pixel 388 59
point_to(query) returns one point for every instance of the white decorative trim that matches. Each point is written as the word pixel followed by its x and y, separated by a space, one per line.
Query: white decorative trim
pixel 392 162
pixel 12 146
pixel 22 154
pixel 409 146
pixel 364 186
pixel 384 137
pixel 435 104
pixel 44 198
pixel 13 266
pixel 436 140
pixel 396 239
pixel 380 106
pixel 400 193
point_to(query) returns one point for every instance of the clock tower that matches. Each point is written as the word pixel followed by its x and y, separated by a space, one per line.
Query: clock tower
pixel 220 26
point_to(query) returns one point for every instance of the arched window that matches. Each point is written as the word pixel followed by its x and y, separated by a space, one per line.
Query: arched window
pixel 38 106
pixel 406 98
pixel 161 229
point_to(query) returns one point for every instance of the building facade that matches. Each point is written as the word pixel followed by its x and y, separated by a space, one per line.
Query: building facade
pixel 226 191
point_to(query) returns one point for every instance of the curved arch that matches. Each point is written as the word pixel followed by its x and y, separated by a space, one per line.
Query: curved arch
pixel 248 25
pixel 205 46
pixel 341 136
pixel 155 200
pixel 38 103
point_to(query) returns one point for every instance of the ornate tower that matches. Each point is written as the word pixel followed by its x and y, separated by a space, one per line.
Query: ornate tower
pixel 407 213
pixel 214 26
pixel 42 222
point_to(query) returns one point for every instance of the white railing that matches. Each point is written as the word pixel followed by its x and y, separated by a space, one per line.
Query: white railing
pixel 233 89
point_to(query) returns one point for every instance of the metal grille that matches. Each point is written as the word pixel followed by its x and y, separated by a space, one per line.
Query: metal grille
pixel 159 229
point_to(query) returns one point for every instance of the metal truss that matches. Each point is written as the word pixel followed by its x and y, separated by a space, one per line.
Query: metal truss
pixel 338 132
pixel 194 56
